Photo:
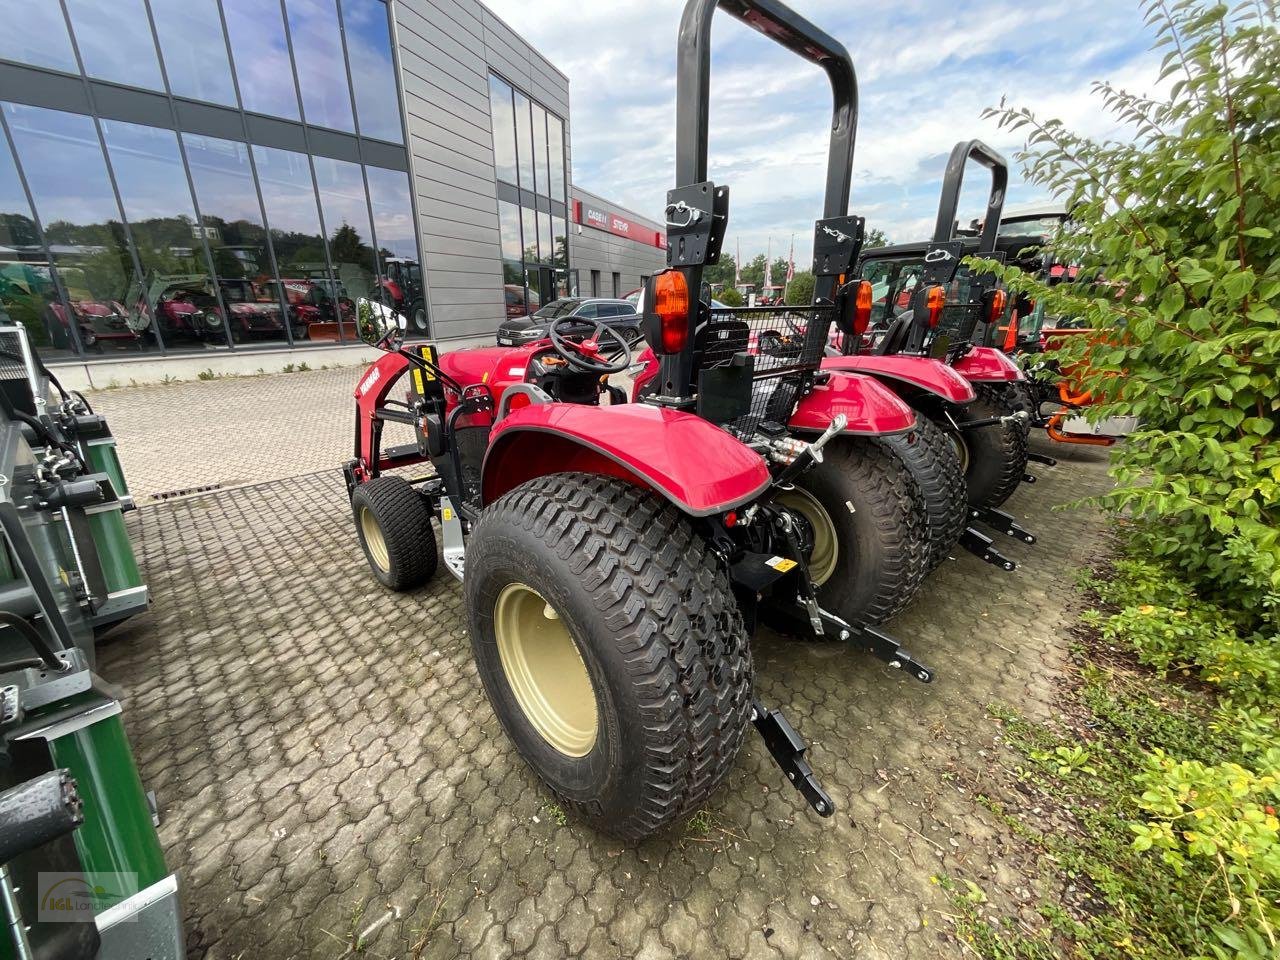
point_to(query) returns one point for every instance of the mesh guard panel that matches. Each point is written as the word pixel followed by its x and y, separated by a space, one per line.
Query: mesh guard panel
pixel 787 344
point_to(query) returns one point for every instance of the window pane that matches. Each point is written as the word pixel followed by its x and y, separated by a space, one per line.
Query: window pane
pixel 392 213
pixel 195 54
pixel 27 293
pixel 317 50
pixel 294 220
pixel 544 237
pixel 513 288
pixel 115 41
pixel 524 140
pixel 540 149
pixel 232 227
pixel 504 129
pixel 530 223
pixel 555 143
pixel 373 71
pixel 178 291
pixel 346 217
pixel 62 159
pixel 262 57
pixel 397 245
pixel 509 229
pixel 560 242
pixel 35 33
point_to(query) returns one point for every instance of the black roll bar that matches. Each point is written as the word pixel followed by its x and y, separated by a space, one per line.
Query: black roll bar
pixel 953 180
pixel 783 25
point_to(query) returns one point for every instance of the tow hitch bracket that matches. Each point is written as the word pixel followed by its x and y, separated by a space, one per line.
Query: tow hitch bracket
pixel 879 645
pixel 787 749
pixel 981 546
pixel 1002 522
pixel 1047 460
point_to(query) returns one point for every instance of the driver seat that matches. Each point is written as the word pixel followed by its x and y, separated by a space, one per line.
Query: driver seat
pixel 895 338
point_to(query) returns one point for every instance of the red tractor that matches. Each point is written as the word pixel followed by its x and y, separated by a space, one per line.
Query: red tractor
pixel 401 289
pixel 615 557
pixel 915 332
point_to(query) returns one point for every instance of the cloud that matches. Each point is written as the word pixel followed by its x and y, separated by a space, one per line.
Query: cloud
pixel 926 71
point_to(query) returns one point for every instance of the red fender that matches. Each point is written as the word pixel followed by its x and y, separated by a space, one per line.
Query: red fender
pixel 691 462
pixel 988 365
pixel 872 408
pixel 924 373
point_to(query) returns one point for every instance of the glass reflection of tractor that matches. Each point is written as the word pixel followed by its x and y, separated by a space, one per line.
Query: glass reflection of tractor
pixel 25 289
pixel 253 312
pixel 400 288
pixel 183 307
pixel 98 322
pixel 318 308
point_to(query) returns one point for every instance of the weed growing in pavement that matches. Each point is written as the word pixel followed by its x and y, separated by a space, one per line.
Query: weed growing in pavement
pixel 303 368
pixel 700 823
pixel 287 368
pixel 207 374
pixel 556 813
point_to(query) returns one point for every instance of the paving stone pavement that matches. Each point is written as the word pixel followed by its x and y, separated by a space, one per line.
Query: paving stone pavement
pixel 231 431
pixel 325 759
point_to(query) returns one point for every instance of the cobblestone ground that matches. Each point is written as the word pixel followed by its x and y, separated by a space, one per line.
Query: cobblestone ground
pixel 231 431
pixel 325 759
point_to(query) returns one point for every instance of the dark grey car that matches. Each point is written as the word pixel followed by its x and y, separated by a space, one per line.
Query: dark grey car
pixel 618 314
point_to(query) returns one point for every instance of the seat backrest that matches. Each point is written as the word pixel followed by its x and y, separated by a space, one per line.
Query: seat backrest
pixel 717 340
pixel 895 337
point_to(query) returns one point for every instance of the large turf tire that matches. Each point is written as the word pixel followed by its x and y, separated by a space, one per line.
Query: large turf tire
pixel 1017 396
pixel 935 463
pixel 878 513
pixel 997 454
pixel 394 529
pixel 653 618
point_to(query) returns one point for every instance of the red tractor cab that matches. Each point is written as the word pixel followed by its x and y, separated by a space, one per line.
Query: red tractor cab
pixel 616 557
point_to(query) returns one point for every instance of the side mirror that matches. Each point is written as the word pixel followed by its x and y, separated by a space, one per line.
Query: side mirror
pixel 377 323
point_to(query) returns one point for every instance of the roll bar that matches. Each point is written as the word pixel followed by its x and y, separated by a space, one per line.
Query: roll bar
pixel 953 180
pixel 783 25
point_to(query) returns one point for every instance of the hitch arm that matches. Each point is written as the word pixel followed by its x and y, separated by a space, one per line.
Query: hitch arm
pixel 982 547
pixel 787 748
pixel 1003 522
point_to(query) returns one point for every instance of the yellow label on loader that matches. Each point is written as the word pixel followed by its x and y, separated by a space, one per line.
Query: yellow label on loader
pixel 446 514
pixel 781 564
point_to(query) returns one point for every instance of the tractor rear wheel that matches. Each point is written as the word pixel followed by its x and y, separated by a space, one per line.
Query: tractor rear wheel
pixel 996 455
pixel 935 463
pixel 394 528
pixel 611 648
pixel 870 508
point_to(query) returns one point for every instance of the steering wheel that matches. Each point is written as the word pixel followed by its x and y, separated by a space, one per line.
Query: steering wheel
pixel 589 355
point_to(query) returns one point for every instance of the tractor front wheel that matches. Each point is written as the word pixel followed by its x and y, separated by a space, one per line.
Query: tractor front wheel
pixel 866 511
pixel 394 528
pixel 611 647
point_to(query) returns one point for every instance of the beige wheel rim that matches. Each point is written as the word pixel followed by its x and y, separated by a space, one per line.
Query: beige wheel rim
pixel 962 449
pixel 826 545
pixel 545 670
pixel 374 540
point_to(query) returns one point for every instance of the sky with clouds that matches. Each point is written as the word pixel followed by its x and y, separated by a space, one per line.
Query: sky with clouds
pixel 926 69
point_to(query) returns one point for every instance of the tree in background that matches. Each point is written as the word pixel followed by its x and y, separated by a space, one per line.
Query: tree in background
pixel 720 273
pixel 800 289
pixel 730 296
pixel 875 238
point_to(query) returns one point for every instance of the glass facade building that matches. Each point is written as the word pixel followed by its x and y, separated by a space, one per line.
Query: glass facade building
pixel 196 175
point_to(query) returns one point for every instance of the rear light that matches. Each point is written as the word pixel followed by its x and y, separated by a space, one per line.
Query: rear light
pixel 999 300
pixel 862 308
pixel 671 304
pixel 934 302
pixel 1011 336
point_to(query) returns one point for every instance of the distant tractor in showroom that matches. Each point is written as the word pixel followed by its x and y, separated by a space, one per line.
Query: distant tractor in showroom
pixel 400 288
